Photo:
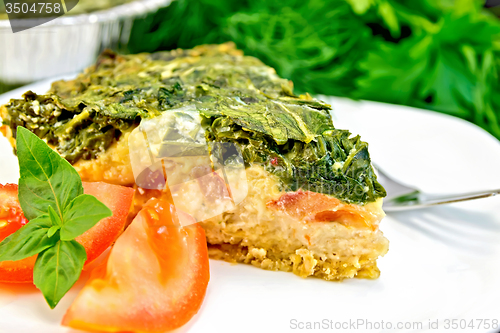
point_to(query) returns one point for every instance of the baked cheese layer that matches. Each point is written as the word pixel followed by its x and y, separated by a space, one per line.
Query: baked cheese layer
pixel 270 238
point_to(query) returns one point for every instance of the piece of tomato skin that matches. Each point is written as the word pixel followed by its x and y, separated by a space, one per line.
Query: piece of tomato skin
pixel 162 294
pixel 95 240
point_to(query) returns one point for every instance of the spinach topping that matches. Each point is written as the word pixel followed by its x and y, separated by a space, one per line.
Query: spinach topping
pixel 240 99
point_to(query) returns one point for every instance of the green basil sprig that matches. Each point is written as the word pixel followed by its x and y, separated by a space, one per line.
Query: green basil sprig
pixel 52 199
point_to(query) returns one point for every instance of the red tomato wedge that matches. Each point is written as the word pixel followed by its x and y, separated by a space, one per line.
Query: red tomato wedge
pixel 96 240
pixel 154 280
pixel 11 214
pixel 12 219
pixel 119 199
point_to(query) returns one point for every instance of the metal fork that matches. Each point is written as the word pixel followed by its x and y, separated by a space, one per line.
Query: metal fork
pixel 402 197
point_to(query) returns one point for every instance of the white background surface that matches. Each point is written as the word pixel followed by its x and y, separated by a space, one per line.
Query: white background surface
pixel 443 262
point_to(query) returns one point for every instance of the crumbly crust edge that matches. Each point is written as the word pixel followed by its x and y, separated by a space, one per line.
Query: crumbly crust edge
pixel 302 263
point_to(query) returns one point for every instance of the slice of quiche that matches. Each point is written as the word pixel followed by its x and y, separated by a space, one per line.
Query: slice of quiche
pixel 311 202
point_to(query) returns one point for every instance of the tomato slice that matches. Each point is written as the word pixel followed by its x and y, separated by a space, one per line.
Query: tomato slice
pixel 96 240
pixel 154 280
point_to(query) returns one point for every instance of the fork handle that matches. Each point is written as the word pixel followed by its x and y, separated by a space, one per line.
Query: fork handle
pixel 434 200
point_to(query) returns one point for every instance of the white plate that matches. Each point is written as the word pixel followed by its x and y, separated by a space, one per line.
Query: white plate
pixel 443 263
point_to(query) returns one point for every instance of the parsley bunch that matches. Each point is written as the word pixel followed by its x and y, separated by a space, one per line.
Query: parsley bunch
pixel 441 55
pixel 52 199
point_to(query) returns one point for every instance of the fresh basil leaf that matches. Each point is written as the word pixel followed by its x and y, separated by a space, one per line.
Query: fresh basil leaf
pixel 46 178
pixel 56 220
pixel 57 269
pixel 53 230
pixel 27 241
pixel 83 213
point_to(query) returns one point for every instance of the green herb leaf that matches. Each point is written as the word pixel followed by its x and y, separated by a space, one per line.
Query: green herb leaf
pixel 46 178
pixel 83 213
pixel 57 269
pixel 31 239
pixel 53 230
pixel 51 196
pixel 56 220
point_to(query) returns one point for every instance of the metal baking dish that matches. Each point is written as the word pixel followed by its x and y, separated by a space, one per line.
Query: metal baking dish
pixel 67 44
